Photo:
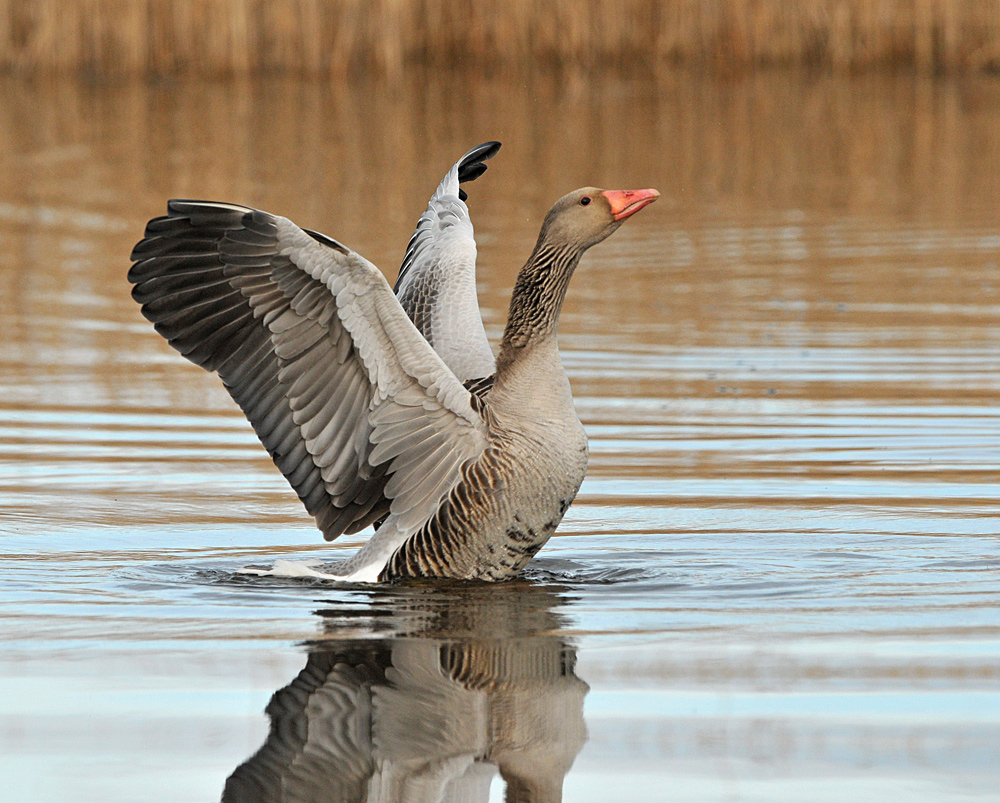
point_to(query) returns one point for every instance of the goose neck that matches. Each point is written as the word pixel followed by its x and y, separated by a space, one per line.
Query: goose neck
pixel 537 299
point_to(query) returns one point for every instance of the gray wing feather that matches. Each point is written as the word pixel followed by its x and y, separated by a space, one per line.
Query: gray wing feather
pixel 312 345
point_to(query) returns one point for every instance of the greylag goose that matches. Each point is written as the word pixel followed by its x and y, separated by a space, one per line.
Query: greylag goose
pixel 437 281
pixel 361 415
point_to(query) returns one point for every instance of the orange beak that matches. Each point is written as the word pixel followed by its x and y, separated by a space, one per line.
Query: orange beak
pixel 627 202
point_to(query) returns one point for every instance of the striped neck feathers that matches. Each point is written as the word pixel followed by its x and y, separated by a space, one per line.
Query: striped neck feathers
pixel 538 297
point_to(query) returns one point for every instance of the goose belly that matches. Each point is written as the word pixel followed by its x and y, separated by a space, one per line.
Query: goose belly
pixel 535 504
pixel 510 504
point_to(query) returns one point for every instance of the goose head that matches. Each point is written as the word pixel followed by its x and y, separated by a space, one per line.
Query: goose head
pixel 576 221
pixel 586 216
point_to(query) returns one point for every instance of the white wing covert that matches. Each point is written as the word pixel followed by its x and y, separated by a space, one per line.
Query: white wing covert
pixel 437 281
pixel 354 406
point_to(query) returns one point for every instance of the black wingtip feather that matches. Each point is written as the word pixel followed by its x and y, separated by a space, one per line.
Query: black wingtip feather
pixel 471 166
pixel 328 241
pixel 473 172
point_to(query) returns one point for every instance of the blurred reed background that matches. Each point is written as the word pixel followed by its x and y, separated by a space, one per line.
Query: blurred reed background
pixel 317 38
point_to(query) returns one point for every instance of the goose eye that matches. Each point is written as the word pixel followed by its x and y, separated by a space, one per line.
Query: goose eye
pixel 585 200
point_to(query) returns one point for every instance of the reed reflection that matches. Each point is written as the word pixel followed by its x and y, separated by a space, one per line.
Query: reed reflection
pixel 425 694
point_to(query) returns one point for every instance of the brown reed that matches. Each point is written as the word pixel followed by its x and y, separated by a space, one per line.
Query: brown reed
pixel 314 38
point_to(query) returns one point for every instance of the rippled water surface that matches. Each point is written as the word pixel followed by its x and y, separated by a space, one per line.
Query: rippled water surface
pixel 780 580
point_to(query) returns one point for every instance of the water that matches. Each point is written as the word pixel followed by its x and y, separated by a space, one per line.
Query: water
pixel 779 581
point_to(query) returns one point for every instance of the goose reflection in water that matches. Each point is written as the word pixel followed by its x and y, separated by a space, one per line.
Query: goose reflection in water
pixel 425 694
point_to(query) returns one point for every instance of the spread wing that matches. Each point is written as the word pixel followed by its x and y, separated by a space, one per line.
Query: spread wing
pixel 437 281
pixel 354 406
